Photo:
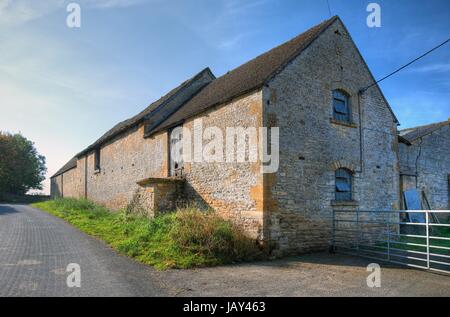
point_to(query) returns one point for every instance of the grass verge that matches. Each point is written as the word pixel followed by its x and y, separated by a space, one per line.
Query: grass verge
pixel 184 239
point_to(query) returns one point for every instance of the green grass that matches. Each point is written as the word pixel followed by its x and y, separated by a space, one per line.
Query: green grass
pixel 186 238
pixel 436 232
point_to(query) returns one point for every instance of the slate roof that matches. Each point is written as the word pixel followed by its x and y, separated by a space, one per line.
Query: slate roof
pixel 143 115
pixel 244 79
pixel 412 134
pixel 131 122
pixel 67 167
pixel 247 77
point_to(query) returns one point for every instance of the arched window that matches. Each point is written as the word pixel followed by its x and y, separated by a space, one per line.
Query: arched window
pixel 176 151
pixel 343 179
pixel 341 109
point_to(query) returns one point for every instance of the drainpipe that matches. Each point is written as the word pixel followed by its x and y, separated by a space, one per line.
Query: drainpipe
pixel 361 143
pixel 417 162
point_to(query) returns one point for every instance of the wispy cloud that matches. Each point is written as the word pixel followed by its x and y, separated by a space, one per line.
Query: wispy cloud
pixel 434 68
pixel 232 42
pixel 421 107
pixel 17 12
pixel 233 23
pixel 234 7
pixel 53 89
pixel 105 4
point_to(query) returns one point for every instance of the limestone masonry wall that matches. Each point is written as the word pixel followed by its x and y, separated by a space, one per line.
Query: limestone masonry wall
pixel 300 197
pixel 425 165
pixel 235 190
pixel 291 209
pixel 124 161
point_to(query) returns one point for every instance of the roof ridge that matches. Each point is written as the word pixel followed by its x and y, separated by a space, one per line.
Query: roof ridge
pixel 426 125
pixel 247 77
pixel 182 85
pixel 321 26
pixel 324 24
pixel 72 163
pixel 136 119
pixel 243 79
pixel 412 134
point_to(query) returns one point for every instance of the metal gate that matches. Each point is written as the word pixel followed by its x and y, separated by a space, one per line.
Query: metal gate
pixel 419 239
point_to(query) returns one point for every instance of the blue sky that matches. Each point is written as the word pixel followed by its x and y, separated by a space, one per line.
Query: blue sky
pixel 63 87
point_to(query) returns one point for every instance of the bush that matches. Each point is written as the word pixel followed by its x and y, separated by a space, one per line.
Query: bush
pixel 186 238
pixel 208 234
pixel 22 199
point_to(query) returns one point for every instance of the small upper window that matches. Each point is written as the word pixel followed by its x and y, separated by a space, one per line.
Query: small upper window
pixel 97 159
pixel 343 179
pixel 341 109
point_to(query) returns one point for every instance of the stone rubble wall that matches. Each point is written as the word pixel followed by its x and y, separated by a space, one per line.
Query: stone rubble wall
pixel 425 165
pixel 299 199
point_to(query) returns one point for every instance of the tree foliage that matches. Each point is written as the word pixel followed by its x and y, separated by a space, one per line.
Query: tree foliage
pixel 21 167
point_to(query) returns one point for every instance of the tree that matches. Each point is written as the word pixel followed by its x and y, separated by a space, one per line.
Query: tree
pixel 21 167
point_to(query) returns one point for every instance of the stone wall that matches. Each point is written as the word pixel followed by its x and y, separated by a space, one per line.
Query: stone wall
pixel 292 208
pixel 73 182
pixel 157 196
pixel 124 161
pixel 68 184
pixel 299 198
pixel 425 165
pixel 56 187
pixel 235 190
pixel 129 157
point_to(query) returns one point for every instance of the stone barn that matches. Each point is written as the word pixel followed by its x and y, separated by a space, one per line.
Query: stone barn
pixel 425 163
pixel 337 145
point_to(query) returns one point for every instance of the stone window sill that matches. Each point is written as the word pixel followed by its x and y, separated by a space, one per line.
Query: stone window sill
pixel 347 203
pixel 345 124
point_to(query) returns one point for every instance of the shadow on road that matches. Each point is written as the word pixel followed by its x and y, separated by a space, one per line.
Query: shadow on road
pixel 4 210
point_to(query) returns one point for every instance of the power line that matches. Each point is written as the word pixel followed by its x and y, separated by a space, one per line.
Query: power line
pixel 403 67
pixel 329 7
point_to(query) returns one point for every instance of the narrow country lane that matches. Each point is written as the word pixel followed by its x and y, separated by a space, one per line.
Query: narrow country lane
pixel 36 248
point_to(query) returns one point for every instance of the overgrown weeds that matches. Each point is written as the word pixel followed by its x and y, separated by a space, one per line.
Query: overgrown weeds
pixel 186 238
